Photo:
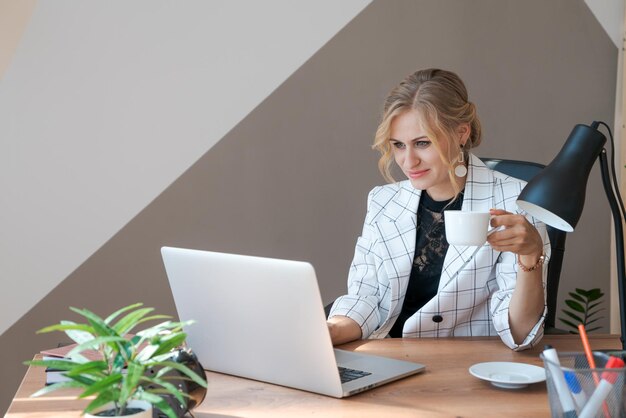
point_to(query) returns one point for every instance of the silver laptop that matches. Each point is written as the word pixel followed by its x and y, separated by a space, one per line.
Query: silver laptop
pixel 262 319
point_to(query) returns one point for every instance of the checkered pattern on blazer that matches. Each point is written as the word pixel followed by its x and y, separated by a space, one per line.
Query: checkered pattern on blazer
pixel 471 300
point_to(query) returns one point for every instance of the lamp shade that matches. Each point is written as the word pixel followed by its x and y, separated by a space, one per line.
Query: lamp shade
pixel 556 195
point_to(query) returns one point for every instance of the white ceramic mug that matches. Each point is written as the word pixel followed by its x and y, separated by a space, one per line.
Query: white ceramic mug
pixel 466 228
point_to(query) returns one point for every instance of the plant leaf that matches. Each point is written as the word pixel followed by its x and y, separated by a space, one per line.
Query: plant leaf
pixel 64 327
pixel 577 297
pixel 79 335
pixel 100 328
pixel 78 358
pixel 119 362
pixel 163 371
pixel 129 321
pixel 102 385
pixel 185 370
pixel 102 399
pixel 164 326
pixel 573 316
pixel 84 380
pixel 582 292
pixel 595 294
pixel 54 364
pixel 95 343
pixel 93 367
pixel 575 306
pixel 594 312
pixel 146 353
pixel 131 381
pixel 154 330
pixel 593 305
pixel 120 311
pixel 67 366
pixel 153 318
pixel 572 325
pixel 170 342
pixel 56 386
pixel 170 388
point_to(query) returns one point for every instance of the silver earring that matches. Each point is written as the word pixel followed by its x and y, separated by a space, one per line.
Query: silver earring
pixel 460 170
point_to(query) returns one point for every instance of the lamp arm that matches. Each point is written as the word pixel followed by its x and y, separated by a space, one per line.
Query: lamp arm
pixel 619 241
pixel 612 165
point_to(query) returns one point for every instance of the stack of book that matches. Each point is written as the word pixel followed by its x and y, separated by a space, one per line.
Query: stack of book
pixel 60 353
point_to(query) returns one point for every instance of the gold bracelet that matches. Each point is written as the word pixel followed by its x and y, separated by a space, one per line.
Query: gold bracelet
pixel 539 263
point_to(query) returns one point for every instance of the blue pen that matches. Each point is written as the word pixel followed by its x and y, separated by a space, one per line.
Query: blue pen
pixel 577 391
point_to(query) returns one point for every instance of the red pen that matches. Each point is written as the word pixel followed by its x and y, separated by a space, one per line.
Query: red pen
pixel 604 388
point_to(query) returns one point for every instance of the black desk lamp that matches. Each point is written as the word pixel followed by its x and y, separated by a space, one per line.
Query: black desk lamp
pixel 556 196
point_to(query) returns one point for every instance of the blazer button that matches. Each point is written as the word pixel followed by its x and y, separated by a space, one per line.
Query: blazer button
pixel 437 318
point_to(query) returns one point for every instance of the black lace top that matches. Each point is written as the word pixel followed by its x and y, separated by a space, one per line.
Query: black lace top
pixel 430 252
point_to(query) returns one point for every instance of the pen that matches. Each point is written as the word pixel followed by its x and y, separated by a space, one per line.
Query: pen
pixel 558 378
pixel 588 353
pixel 577 392
pixel 604 388
pixel 592 363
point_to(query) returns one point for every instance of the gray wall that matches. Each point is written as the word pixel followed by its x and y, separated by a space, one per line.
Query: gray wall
pixel 290 180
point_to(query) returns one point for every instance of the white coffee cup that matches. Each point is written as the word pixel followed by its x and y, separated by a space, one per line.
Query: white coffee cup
pixel 466 228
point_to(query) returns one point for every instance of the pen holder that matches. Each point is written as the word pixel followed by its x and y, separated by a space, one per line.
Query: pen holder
pixel 576 390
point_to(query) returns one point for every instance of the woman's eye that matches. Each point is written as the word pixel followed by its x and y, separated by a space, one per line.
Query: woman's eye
pixel 421 144
pixel 398 145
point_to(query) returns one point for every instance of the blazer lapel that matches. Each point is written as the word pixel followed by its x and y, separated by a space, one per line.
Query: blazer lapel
pixel 397 230
pixel 478 196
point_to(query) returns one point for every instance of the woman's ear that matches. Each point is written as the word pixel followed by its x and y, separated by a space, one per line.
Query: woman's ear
pixel 463 132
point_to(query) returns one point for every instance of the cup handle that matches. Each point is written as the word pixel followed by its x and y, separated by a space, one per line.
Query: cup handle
pixel 492 230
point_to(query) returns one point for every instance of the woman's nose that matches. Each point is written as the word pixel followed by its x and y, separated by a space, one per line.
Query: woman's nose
pixel 411 159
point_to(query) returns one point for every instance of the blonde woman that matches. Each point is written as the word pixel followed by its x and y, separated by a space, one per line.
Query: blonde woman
pixel 405 280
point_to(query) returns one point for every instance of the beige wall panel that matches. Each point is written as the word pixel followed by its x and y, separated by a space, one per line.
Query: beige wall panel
pixel 291 179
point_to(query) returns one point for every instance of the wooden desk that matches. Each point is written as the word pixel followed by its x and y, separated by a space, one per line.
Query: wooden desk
pixel 445 389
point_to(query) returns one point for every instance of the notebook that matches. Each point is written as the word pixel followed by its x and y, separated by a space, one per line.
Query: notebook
pixel 263 319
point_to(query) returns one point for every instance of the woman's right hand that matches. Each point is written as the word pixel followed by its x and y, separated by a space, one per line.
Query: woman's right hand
pixel 343 330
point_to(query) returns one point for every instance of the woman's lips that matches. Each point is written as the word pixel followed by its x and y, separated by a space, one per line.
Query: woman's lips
pixel 417 174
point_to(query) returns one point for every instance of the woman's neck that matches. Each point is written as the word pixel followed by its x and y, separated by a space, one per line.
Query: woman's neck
pixel 446 192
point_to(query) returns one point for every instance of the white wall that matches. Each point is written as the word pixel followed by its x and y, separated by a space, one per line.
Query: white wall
pixel 610 14
pixel 106 103
pixel 14 16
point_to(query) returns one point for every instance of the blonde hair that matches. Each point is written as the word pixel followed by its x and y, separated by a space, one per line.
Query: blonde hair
pixel 441 99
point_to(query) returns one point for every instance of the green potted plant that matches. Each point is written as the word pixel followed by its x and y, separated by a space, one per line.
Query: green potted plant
pixel 118 378
pixel 584 305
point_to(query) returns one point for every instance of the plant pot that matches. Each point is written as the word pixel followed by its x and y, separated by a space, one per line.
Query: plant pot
pixel 146 410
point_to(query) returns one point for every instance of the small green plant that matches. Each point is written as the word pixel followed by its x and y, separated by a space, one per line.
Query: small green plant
pixel 584 307
pixel 119 376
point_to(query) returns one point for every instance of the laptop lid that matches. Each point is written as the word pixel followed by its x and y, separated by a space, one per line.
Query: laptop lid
pixel 262 319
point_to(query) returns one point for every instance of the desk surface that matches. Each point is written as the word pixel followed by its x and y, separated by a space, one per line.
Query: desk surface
pixel 445 389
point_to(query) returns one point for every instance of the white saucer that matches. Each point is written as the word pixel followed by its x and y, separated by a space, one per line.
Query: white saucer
pixel 508 375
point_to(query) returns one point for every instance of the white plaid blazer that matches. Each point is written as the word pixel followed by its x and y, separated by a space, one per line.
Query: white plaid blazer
pixel 471 301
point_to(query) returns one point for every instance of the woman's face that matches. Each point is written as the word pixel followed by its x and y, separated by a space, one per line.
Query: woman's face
pixel 418 158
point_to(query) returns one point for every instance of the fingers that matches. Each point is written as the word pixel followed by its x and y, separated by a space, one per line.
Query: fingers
pixel 503 218
pixel 517 235
pixel 497 212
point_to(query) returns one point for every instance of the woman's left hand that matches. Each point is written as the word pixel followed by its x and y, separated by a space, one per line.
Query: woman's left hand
pixel 517 235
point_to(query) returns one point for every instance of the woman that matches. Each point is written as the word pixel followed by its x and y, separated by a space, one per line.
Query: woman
pixel 405 280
